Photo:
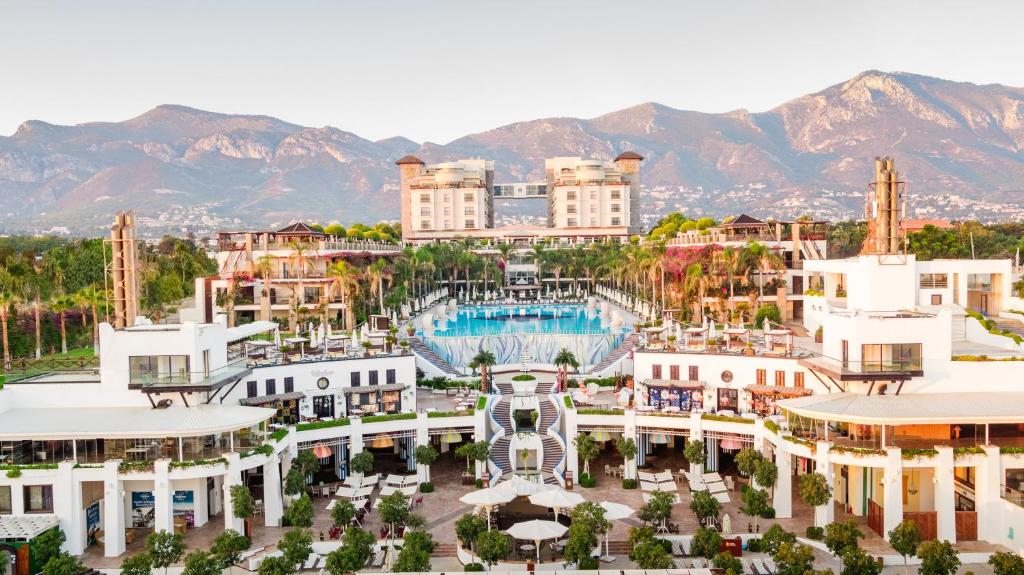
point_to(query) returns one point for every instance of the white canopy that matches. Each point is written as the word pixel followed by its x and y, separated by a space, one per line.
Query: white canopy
pixel 537 530
pixel 557 499
pixel 488 498
pixel 521 487
pixel 616 511
pixel 250 329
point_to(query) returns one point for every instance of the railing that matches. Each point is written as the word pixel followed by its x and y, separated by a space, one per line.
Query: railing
pixel 1012 495
pixel 27 367
pixel 148 379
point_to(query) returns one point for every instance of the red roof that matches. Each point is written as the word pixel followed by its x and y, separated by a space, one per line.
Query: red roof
pixel 911 226
pixel 410 159
pixel 628 155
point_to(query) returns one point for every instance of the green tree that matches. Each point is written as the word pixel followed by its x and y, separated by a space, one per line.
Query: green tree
pixel 704 506
pixel 840 536
pixel 933 243
pixel 201 563
pixel 651 554
pixel 468 527
pixel 484 360
pixel 355 550
pixel 426 455
pixel 242 504
pixel 658 508
pixel 706 543
pixel 415 554
pixel 814 489
pixel 295 547
pixel 856 561
pixel 770 311
pixel 754 503
pixel 343 513
pixel 905 539
pixel 63 564
pixel 746 460
pixel 307 463
pixel 627 449
pixel 362 462
pixel 563 361
pixel 492 546
pixel 164 549
pixel 138 564
pixel 228 546
pixel 46 546
pixel 276 566
pixel 300 512
pixel 766 473
pixel 726 562
pixel 937 558
pixel 587 449
pixel 793 559
pixel 694 452
pixel 1006 563
pixel 394 510
pixel 774 537
pixel 294 482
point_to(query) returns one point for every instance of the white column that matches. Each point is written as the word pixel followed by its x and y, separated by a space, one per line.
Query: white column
pixel 988 495
pixel 200 498
pixel 696 434
pixel 572 460
pixel 629 431
pixel 855 489
pixel 422 438
pixel 825 514
pixel 892 490
pixel 67 505
pixel 273 500
pixel 113 510
pixel 945 502
pixel 479 432
pixel 163 496
pixel 782 498
pixel 17 498
pixel 233 476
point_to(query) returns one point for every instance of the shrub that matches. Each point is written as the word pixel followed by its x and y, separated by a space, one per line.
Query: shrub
pixel 588 480
pixel 814 532
pixel 769 310
pixel 524 377
pixel 426 487
pixel 629 483
pixel 754 545
pixel 474 567
pixel 706 543
pixel 588 564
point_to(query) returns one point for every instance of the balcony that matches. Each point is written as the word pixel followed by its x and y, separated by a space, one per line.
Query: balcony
pixel 158 382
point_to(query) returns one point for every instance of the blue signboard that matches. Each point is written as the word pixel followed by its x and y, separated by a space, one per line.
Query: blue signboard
pixel 143 509
pixel 92 517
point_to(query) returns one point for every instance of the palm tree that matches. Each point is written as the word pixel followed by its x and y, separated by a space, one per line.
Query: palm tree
pixel 376 274
pixel 696 285
pixel 728 262
pixel 60 306
pixel 300 258
pixel 7 299
pixel 346 279
pixel 564 360
pixel 92 297
pixel 484 360
pixel 265 268
pixel 765 261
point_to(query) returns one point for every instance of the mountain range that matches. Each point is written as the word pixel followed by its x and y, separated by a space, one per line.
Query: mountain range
pixel 959 146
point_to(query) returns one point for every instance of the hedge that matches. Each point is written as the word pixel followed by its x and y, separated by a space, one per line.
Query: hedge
pixel 322 424
pixel 389 417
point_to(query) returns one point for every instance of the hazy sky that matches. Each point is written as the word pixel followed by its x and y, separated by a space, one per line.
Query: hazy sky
pixel 438 70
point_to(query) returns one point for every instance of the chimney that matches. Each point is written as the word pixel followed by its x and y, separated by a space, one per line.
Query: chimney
pixel 122 270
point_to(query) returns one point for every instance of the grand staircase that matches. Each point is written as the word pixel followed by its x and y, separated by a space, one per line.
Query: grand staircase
pixel 545 387
pixel 503 414
pixel 430 356
pixel 500 455
pixel 628 344
pixel 552 457
pixel 505 388
pixel 548 415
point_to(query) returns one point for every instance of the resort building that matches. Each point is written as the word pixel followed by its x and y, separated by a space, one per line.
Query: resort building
pixel 450 197
pixel 268 275
pixel 594 194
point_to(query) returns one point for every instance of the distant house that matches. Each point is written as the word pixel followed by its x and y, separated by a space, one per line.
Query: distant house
pixel 913 226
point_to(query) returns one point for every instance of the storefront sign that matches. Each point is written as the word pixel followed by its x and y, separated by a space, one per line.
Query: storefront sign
pixel 143 509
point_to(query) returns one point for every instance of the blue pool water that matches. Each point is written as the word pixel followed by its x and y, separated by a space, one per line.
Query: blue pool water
pixel 565 319
pixel 511 331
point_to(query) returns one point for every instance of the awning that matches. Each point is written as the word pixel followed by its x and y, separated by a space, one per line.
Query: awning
pixel 675 383
pixel 265 399
pixel 25 527
pixel 374 388
pixel 778 390
pixel 778 332
pixel 250 329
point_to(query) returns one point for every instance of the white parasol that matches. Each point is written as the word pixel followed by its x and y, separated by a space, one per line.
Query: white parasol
pixel 557 499
pixel 613 512
pixel 522 487
pixel 537 530
pixel 488 498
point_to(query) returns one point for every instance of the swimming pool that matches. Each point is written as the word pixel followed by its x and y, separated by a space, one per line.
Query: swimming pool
pixel 539 331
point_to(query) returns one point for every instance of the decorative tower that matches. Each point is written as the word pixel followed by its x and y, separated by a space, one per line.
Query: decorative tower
pixel 121 270
pixel 884 210
pixel 628 164
pixel 409 168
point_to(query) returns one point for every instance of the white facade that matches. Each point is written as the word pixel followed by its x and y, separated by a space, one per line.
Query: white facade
pixel 587 194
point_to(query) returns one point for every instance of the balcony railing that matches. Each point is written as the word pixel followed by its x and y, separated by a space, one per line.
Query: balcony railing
pixel 156 381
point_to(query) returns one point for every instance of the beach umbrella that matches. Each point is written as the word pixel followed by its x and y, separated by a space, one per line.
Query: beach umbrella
pixel 330 331
pixel 382 442
pixel 726 524
pixel 487 498
pixel 712 331
pixel 277 336
pixel 556 499
pixel 614 512
pixel 537 530
pixel 321 451
pixel 731 443
pixel 451 437
pixel 659 438
pixel 522 487
pixel 600 435
pixel 766 325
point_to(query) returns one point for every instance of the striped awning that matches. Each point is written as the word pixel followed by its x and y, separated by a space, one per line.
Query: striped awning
pixel 675 383
pixel 265 399
pixel 778 390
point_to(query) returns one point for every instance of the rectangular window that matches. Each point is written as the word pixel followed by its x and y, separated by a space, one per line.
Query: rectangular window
pixel 468 197
pixel 424 211
pixel 468 211
pixel 887 357
pixel 936 299
pixel 571 222
pixel 570 209
pixel 425 198
pixel 762 377
pixel 570 195
pixel 616 208
pixel 425 225
pixel 593 208
pixel 798 379
pixel 447 210
pixel 933 281
pixel 373 377
pixel 38 499
pixel 323 406
pixel 289 384
pixel 728 399
pixel 271 387
pixel 694 373
pixel 251 389
pixel 780 378
pixel 159 369
pixel 355 379
pixel 616 194
pixel 616 221
pixel 6 508
pixel 673 372
pixel 470 223
pixel 656 371
pixel 390 376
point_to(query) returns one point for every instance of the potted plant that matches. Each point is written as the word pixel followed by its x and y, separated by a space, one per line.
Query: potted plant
pixel 819 335
pixel 671 342
pixel 748 349
pixel 410 330
pixel 404 344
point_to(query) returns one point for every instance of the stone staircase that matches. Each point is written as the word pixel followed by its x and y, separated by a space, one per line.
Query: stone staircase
pixel 443 550
pixel 628 344
pixel 502 413
pixel 552 456
pixel 548 415
pixel 545 388
pixel 428 355
pixel 505 388
pixel 1009 325
pixel 499 455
